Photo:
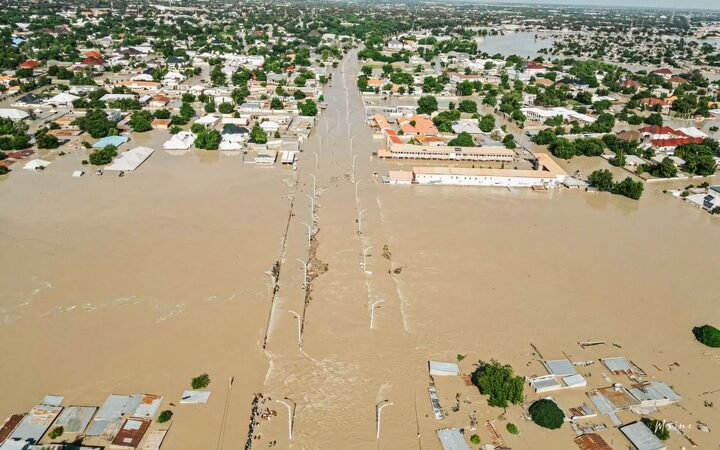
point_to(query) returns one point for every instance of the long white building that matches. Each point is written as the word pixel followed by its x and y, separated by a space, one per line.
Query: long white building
pixel 444 152
pixel 548 174
pixel 534 114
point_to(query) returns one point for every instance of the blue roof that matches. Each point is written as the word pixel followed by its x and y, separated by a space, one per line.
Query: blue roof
pixel 117 141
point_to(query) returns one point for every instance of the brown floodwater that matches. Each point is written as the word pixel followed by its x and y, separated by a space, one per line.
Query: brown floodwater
pixel 137 284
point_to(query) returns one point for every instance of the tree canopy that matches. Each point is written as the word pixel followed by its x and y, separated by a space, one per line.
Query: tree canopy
pixel 499 382
pixel 547 414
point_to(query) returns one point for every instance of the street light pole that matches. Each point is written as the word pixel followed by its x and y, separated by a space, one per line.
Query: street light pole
pixel 312 208
pixel 309 232
pixel 372 312
pixel 299 327
pixel 317 162
pixel 378 413
pixel 356 191
pixel 291 415
pixel 314 184
pixel 305 278
pixel 365 255
pixel 360 220
pixel 353 166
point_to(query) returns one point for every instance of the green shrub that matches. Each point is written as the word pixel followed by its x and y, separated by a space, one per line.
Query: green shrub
pixel 547 414
pixel 201 381
pixel 658 427
pixel 512 428
pixel 708 335
pixel 499 382
pixel 56 432
pixel 165 416
pixel 475 439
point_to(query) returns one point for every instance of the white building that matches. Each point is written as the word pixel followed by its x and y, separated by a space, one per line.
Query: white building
pixel 181 141
pixel 535 114
pixel 549 175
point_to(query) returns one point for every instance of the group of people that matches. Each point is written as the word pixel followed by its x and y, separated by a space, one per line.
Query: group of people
pixel 259 411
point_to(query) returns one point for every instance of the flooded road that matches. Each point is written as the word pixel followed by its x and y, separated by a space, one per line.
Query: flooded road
pixel 137 284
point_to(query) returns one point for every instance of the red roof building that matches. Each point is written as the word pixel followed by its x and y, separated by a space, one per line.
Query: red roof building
pixel 30 64
pixel 92 61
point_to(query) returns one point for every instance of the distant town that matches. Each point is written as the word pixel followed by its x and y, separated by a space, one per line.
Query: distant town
pixel 373 225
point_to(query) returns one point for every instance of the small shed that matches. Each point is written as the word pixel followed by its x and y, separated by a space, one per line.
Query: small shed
pixel 443 368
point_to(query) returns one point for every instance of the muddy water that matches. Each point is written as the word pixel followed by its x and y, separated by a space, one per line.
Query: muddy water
pixel 141 282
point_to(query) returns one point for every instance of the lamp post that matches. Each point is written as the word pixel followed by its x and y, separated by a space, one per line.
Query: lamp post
pixel 314 185
pixel 365 255
pixel 299 327
pixel 309 232
pixel 378 413
pixel 353 165
pixel 305 277
pixel 317 162
pixel 372 311
pixel 356 190
pixel 312 208
pixel 291 414
pixel 360 220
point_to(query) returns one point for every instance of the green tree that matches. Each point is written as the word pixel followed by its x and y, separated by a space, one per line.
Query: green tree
pixel 258 135
pixel 427 104
pixel 487 123
pixel 200 382
pixel 165 416
pixel 208 140
pixel 462 140
pixel 468 106
pixel 96 123
pixel 276 103
pixel 547 414
pixel 103 156
pixel 708 335
pixel 602 180
pixel 512 428
pixel 629 188
pixel 562 148
pixel 308 108
pixel 45 140
pixel 56 432
pixel 658 427
pixel 499 382
pixel 226 108
pixel 665 169
pixel 140 121
pixel 698 158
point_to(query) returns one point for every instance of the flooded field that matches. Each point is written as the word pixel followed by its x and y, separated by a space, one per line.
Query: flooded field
pixel 525 44
pixel 137 284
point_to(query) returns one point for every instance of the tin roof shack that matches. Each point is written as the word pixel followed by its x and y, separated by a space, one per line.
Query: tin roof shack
pixel 9 426
pixel 452 439
pixel 641 437
pixel 34 425
pixel 75 419
pixel 109 418
pixel 591 441
pixel 652 395
pixel 562 375
pixel 621 366
pixel 131 433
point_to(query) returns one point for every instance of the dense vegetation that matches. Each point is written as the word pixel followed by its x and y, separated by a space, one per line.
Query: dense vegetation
pixel 498 382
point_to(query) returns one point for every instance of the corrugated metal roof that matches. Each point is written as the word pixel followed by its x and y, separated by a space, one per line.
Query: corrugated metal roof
pixel 642 437
pixel 560 367
pixel 74 419
pixel 452 439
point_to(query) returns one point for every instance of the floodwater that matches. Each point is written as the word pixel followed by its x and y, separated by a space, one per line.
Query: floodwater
pixel 137 284
pixel 522 43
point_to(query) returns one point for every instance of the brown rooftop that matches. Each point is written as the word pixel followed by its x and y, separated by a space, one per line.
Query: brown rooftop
pixel 10 425
pixel 131 433
pixel 592 441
